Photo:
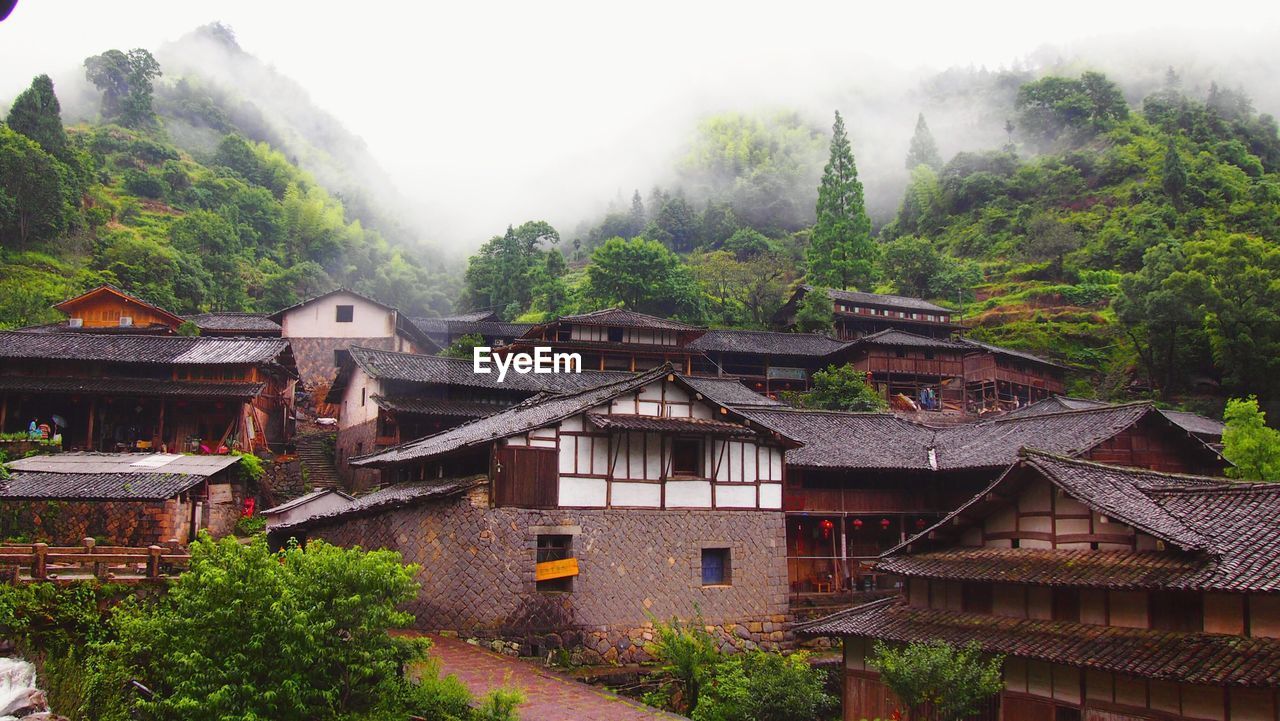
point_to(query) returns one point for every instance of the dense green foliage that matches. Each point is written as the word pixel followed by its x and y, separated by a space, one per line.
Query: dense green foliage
pixel 841 253
pixel 239 229
pixel 244 634
pixel 642 275
pixel 709 685
pixel 937 681
pixel 1252 447
pixel 840 388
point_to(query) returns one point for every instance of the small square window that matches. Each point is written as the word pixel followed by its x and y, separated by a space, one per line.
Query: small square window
pixel 686 457
pixel 341 356
pixel 615 335
pixel 715 567
pixel 555 547
pixel 346 313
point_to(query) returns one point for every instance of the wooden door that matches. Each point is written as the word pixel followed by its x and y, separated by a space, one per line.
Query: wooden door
pixel 527 477
pixel 1021 708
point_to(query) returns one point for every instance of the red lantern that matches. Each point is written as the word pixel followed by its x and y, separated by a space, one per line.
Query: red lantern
pixel 884 524
pixel 857 524
pixel 826 525
pixel 920 524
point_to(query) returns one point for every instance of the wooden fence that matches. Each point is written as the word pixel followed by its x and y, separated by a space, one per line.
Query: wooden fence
pixel 35 562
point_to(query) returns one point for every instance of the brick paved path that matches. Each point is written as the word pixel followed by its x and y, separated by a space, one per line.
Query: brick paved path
pixel 548 695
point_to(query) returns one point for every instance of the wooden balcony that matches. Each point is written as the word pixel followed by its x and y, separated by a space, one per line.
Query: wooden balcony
pixel 868 501
pixel 940 367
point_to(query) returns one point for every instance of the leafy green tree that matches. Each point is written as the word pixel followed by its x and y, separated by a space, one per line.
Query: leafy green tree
pixel 841 388
pixel 126 84
pixel 938 681
pixel 761 686
pixel 815 313
pixel 637 217
pixel 1237 275
pixel 37 114
pixel 1055 107
pixel 464 346
pixel 289 286
pixel 676 225
pixel 747 243
pixel 1173 175
pixel 686 652
pixel 211 238
pixel 502 274
pixel 841 252
pixel 1161 310
pixel 34 202
pixel 923 150
pixel 642 275
pixel 917 268
pixel 1248 443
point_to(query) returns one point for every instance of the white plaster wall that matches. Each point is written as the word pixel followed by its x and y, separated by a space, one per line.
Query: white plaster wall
pixel 735 497
pixel 588 492
pixel 353 414
pixel 771 495
pixel 647 495
pixel 318 319
pixel 688 494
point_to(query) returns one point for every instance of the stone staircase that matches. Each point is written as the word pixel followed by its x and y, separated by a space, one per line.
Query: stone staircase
pixel 319 469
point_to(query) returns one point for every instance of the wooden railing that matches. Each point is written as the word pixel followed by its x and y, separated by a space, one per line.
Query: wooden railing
pixel 36 562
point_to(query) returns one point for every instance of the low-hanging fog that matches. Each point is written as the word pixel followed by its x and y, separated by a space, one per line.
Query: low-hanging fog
pixel 464 118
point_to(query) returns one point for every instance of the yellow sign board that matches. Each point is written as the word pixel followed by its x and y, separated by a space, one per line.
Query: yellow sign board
pixel 548 570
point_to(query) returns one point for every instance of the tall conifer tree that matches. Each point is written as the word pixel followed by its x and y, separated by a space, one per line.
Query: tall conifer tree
pixel 37 115
pixel 841 252
pixel 923 150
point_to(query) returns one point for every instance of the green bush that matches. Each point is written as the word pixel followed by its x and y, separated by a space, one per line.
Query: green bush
pixel 937 680
pixel 686 651
pixel 250 525
pixel 760 686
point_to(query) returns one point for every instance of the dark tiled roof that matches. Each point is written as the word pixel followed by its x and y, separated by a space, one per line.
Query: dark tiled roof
pixel 728 392
pixel 97 486
pixel 618 317
pixel 441 327
pixel 1198 658
pixel 439 406
pixel 131 386
pixel 902 339
pixel 849 440
pixel 175 350
pixel 1195 423
pixel 999 350
pixel 1233 529
pixel 526 416
pixel 391 497
pixel 995 443
pixel 304 499
pixel 227 322
pixel 1122 570
pixel 879 299
pixel 1056 404
pixel 654 424
pixel 765 342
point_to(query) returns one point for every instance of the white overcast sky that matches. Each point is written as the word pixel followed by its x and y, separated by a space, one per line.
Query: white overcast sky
pixel 513 99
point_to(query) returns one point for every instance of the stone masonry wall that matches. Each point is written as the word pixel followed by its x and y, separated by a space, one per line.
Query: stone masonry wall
pixel 478 573
pixel 364 434
pixel 115 523
pixel 314 357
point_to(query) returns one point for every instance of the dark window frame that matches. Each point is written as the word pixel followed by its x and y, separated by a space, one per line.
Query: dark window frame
pixel 553 547
pixel 345 314
pixel 698 469
pixel 340 356
pixel 717 566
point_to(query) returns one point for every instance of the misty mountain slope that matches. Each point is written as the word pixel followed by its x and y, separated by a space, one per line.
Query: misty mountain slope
pixel 212 87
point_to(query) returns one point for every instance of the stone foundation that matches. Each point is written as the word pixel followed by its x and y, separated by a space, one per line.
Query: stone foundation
pixel 352 441
pixel 113 523
pixel 316 369
pixel 635 566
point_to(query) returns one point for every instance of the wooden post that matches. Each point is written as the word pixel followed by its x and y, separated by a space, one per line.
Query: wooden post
pixel 40 563
pixel 89 543
pixel 158 444
pixel 93 409
pixel 153 561
pixel 4 411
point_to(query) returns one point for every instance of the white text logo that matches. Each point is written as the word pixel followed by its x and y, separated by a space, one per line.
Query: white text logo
pixel 541 360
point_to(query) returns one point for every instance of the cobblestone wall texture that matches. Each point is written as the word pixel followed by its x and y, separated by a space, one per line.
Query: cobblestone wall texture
pixel 634 565
pixel 114 523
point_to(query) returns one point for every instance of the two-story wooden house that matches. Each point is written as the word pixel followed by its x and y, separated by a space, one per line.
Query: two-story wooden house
pixel 615 339
pixel 580 515
pixel 912 372
pixel 858 314
pixel 1112 593
pixel 321 331
pixel 149 392
pixel 997 378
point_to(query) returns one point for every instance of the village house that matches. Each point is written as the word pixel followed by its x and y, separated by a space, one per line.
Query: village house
pixel 912 372
pixel 615 339
pixel 862 483
pixel 486 324
pixel 324 500
pixel 321 331
pixel 116 392
pixel 235 324
pixel 568 520
pixel 1206 429
pixel 766 362
pixel 1112 593
pixel 108 309
pixel 121 499
pixel 858 314
pixel 1002 379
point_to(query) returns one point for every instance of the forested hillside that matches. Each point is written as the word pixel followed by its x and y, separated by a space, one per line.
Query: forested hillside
pixel 226 223
pixel 1133 241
